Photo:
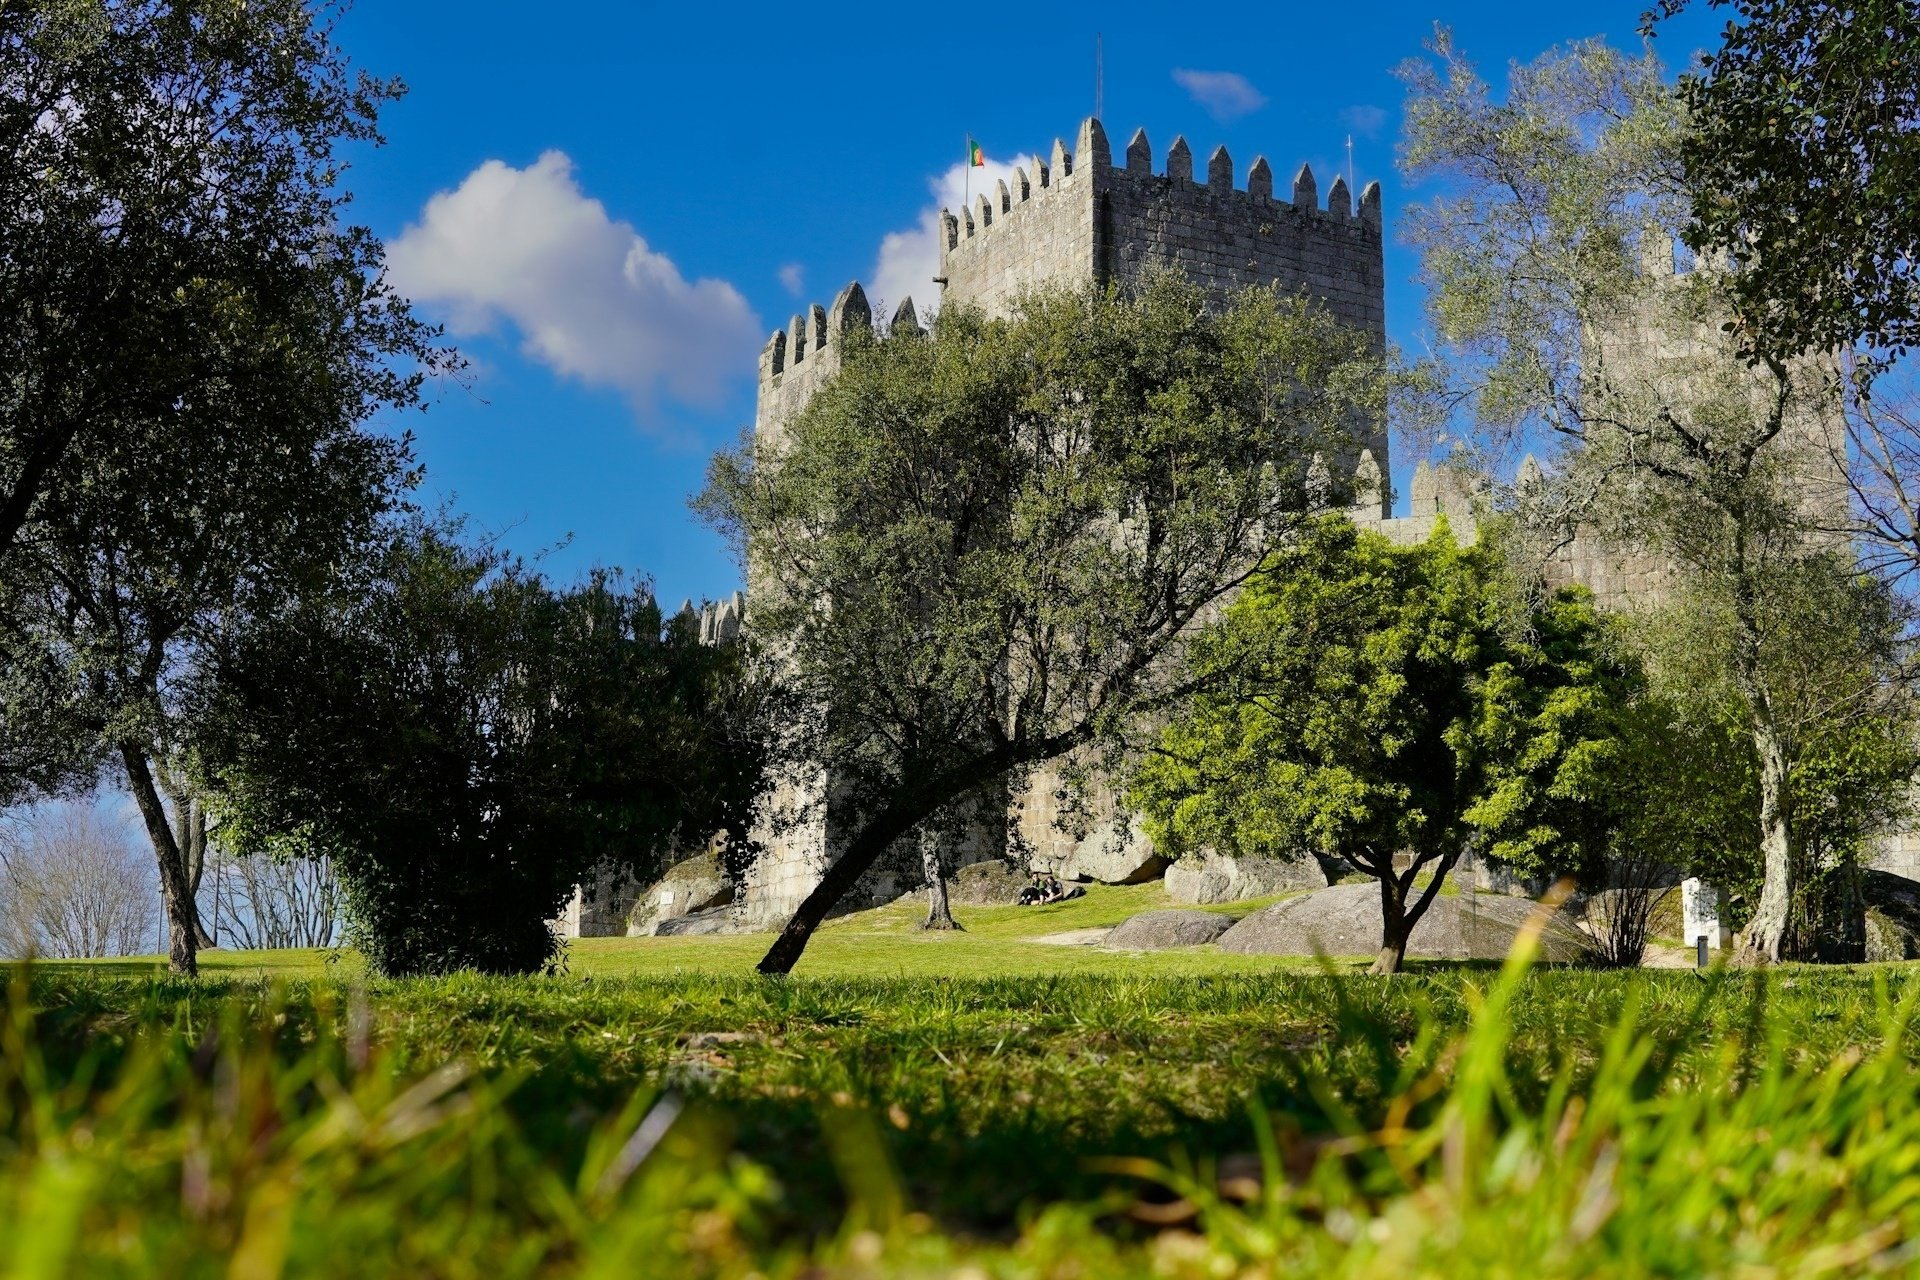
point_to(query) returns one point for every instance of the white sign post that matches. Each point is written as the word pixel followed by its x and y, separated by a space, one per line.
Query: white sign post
pixel 1700 905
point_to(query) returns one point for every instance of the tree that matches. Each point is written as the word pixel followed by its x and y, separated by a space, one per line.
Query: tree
pixel 197 341
pixel 1832 657
pixel 983 549
pixel 466 743
pixel 268 901
pixel 1553 292
pixel 1367 702
pixel 73 887
pixel 1801 156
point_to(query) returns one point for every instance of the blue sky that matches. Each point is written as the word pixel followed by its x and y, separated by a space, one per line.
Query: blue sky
pixel 611 204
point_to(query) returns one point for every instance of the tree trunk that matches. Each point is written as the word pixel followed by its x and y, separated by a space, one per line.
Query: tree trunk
pixel 196 856
pixel 939 913
pixel 845 872
pixel 1760 940
pixel 1393 925
pixel 176 891
pixel 190 838
pixel 1398 916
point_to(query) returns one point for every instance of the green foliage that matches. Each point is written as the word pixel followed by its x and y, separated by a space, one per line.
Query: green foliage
pixel 1550 1124
pixel 1801 154
pixel 1831 665
pixel 194 337
pixel 979 550
pixel 1538 205
pixel 468 743
pixel 1372 699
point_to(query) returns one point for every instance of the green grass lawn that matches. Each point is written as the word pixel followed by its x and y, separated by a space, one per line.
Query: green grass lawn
pixel 884 942
pixel 972 1104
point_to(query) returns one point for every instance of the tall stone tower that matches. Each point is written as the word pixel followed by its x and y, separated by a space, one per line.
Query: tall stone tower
pixel 1078 218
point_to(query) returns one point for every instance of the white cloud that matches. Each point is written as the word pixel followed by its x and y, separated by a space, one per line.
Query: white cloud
pixel 793 278
pixel 1226 95
pixel 910 259
pixel 1367 121
pixel 587 296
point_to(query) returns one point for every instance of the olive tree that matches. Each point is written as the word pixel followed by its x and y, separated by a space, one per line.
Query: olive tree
pixel 984 548
pixel 1548 246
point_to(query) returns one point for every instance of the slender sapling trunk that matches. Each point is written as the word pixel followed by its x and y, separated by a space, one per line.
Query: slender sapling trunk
pixel 939 913
pixel 176 890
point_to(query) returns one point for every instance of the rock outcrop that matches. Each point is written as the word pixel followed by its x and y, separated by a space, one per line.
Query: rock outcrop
pixel 1344 920
pixel 1116 851
pixel 1160 930
pixel 697 885
pixel 993 883
pixel 1216 877
pixel 1893 916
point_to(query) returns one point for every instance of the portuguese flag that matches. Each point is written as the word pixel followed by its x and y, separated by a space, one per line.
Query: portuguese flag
pixel 975 156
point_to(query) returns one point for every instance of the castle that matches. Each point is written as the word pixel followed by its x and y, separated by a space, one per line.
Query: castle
pixel 1079 218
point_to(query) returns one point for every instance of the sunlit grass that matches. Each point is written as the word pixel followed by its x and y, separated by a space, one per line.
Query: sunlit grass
pixel 975 1112
pixel 884 942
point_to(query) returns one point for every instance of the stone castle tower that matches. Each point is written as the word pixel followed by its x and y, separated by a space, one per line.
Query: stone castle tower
pixel 1079 218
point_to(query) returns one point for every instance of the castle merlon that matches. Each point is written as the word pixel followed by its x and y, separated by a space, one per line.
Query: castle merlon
pixel 1091 145
pixel 905 322
pixel 1179 160
pixel 1339 200
pixel 1260 179
pixel 1220 170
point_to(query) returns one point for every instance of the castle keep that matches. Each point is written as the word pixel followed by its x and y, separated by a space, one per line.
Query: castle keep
pixel 1079 218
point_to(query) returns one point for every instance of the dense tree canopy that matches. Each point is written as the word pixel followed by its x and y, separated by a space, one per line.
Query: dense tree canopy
pixel 467 743
pixel 1548 249
pixel 1366 701
pixel 980 549
pixel 1832 658
pixel 1802 155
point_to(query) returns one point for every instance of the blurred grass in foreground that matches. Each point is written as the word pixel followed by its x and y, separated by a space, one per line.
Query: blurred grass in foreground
pixel 1522 1123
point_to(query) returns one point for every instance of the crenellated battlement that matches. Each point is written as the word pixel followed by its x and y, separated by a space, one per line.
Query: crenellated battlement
pixel 987 208
pixel 1083 217
pixel 798 358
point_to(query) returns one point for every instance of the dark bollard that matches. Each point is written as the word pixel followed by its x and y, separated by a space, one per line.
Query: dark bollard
pixel 1700 952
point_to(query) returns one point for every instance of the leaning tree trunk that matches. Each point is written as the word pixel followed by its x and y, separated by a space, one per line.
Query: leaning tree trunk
pixel 887 826
pixel 845 872
pixel 939 913
pixel 176 890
